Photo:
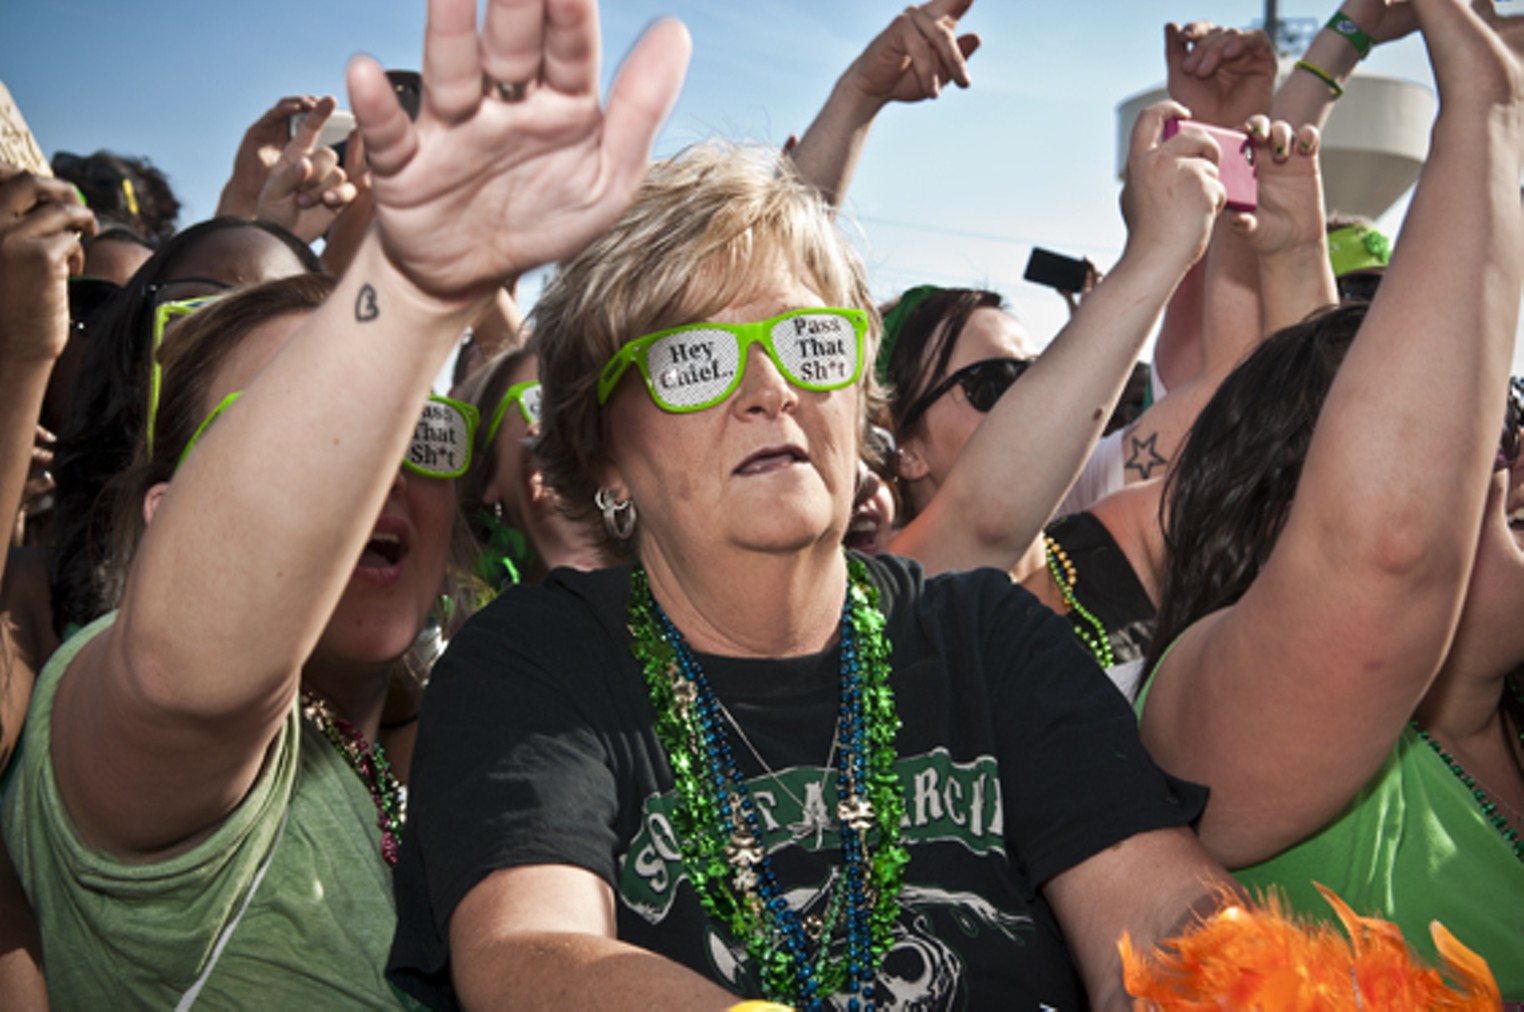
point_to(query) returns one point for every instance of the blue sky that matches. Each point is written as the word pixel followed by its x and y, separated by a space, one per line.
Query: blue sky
pixel 954 191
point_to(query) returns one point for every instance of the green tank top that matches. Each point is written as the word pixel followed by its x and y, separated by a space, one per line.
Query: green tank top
pixel 288 904
pixel 1411 847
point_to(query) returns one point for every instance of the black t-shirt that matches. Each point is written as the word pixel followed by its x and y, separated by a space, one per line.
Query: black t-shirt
pixel 1018 760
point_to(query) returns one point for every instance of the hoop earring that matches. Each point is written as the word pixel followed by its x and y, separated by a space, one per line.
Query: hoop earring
pixel 618 514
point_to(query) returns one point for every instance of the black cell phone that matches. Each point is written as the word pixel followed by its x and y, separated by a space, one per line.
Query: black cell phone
pixel 1067 274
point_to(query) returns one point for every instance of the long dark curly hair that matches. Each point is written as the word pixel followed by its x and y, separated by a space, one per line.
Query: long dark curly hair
pixel 1227 497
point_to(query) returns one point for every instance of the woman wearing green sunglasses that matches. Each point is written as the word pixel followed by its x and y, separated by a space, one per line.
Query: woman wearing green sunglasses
pixel 199 815
pixel 746 763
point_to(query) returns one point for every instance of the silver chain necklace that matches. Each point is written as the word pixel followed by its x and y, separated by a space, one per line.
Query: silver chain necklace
pixel 810 823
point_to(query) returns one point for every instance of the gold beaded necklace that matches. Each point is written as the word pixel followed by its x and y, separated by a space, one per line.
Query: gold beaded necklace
pixel 1065 576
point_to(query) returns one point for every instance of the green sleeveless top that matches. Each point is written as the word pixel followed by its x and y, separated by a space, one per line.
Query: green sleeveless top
pixel 1414 847
pixel 1411 847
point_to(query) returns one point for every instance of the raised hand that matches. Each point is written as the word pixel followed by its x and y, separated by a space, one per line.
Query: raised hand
pixel 512 162
pixel 306 188
pixel 916 55
pixel 257 154
pixel 1092 278
pixel 1290 211
pixel 1222 75
pixel 41 223
pixel 1474 51
pixel 1173 192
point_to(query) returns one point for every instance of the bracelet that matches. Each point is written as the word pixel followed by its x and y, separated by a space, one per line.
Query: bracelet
pixel 1342 24
pixel 756 1005
pixel 1321 75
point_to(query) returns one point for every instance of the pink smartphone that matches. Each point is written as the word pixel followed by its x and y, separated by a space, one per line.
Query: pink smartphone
pixel 1237 167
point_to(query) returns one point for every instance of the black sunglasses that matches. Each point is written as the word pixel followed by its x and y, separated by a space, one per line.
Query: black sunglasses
pixel 982 383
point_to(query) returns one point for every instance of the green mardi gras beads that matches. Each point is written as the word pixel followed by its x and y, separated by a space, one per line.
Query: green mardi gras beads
pixel 705 829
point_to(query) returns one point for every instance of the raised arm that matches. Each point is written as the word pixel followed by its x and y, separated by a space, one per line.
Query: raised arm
pixel 1287 230
pixel 306 187
pixel 1224 76
pixel 910 61
pixel 257 154
pixel 40 227
pixel 1265 270
pixel 1020 460
pixel 162 722
pixel 1287 701
pixel 1308 94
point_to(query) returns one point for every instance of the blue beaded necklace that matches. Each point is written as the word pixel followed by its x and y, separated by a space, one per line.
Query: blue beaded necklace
pixel 720 830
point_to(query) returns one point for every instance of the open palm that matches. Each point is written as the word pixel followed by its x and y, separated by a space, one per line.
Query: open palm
pixel 489 182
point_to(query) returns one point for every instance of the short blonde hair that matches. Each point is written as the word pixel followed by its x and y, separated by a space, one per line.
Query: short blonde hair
pixel 703 227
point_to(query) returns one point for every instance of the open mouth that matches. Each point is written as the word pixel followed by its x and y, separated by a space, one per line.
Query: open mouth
pixel 382 550
pixel 772 458
pixel 862 535
pixel 382 557
pixel 1516 519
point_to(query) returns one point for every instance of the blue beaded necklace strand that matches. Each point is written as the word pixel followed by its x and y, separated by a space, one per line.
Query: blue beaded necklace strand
pixel 720 831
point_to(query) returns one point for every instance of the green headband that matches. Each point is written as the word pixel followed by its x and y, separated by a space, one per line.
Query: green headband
pixel 1357 248
pixel 894 325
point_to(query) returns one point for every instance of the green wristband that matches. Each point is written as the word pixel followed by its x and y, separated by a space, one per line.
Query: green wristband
pixel 1342 24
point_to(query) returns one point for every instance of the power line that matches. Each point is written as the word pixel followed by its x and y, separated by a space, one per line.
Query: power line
pixel 964 233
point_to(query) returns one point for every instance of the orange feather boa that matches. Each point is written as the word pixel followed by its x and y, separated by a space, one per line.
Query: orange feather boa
pixel 1258 956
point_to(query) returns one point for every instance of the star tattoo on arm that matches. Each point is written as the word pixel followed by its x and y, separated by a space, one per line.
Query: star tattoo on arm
pixel 1145 457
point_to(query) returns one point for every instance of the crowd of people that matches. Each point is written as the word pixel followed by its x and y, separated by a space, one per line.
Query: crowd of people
pixel 726 638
